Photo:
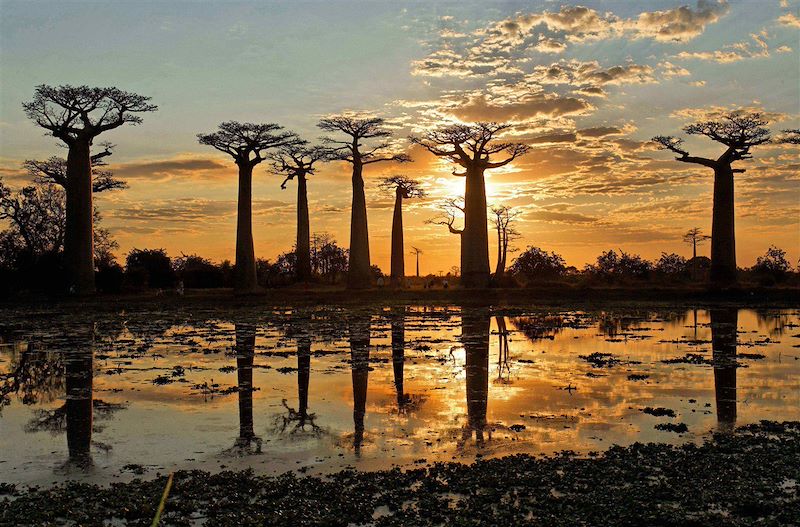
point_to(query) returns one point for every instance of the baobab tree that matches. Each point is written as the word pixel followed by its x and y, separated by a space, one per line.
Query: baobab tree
pixel 503 218
pixel 791 137
pixel 402 188
pixel 416 251
pixel 739 132
pixel 354 151
pixel 76 115
pixel 472 148
pixel 297 160
pixel 695 237
pixel 246 143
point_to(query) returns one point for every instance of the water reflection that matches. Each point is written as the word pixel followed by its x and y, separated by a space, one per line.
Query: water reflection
pixel 359 367
pixel 724 324
pixel 245 346
pixel 614 362
pixel 475 324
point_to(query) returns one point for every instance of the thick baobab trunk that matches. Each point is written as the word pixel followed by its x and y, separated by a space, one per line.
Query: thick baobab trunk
pixel 303 247
pixel 475 339
pixel 245 352
pixel 398 272
pixel 475 238
pixel 245 280
pixel 723 345
pixel 723 237
pixel 358 274
pixel 78 235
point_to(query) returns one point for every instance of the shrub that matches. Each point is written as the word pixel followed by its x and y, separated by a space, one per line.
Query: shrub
pixel 536 264
pixel 150 267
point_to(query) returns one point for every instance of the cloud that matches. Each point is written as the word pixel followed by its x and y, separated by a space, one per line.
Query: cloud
pixel 525 108
pixel 600 131
pixel 549 45
pixel 176 168
pixel 591 74
pixel 670 70
pixel 677 25
pixel 789 19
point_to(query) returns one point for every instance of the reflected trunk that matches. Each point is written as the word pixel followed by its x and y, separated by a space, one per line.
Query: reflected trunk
pixel 359 364
pixel 475 339
pixel 724 322
pixel 245 351
pixel 303 376
pixel 398 358
pixel 79 414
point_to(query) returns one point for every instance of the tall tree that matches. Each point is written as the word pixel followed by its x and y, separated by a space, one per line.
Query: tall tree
pixel 297 160
pixel 416 251
pixel 246 143
pixel 366 145
pixel 739 132
pixel 402 188
pixel 76 115
pixel 503 218
pixel 695 237
pixel 472 147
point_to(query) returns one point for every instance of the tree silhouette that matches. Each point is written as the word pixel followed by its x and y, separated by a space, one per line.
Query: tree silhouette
pixel 416 251
pixel 296 160
pixel 76 115
pixel 403 188
pixel 695 237
pixel 246 144
pixel 451 208
pixel 739 132
pixel 472 147
pixel 358 154
pixel 503 217
pixel 54 170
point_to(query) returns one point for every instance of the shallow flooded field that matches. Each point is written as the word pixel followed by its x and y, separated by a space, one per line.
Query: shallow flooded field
pixel 108 397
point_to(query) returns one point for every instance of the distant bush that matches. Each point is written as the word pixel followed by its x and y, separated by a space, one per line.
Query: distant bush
pixel 535 265
pixel 772 267
pixel 672 266
pixel 197 272
pixel 149 268
pixel 611 266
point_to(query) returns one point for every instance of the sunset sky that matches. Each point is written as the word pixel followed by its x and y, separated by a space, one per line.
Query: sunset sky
pixel 585 84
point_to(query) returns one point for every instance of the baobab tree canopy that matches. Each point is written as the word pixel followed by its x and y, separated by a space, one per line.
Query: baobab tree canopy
pixel 366 144
pixel 247 142
pixel 80 112
pixel 472 147
pixel 54 170
pixel 739 132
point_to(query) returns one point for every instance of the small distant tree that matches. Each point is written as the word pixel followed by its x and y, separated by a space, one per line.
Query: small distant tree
pixel 76 115
pixel 773 266
pixel 738 132
pixel 246 143
pixel 327 258
pixel 503 218
pixel 365 144
pixel 535 265
pixel 611 266
pixel 416 252
pixel 297 160
pixel 150 267
pixel 695 237
pixel 402 188
pixel 197 272
pixel 791 137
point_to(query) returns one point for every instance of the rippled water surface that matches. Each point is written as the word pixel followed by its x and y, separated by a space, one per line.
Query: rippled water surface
pixel 113 396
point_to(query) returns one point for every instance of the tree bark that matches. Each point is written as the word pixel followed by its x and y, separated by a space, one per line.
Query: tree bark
pixel 475 239
pixel 723 237
pixel 723 345
pixel 303 244
pixel 359 273
pixel 245 280
pixel 398 270
pixel 78 236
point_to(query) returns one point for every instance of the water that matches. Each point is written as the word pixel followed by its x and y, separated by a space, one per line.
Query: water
pixel 112 396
